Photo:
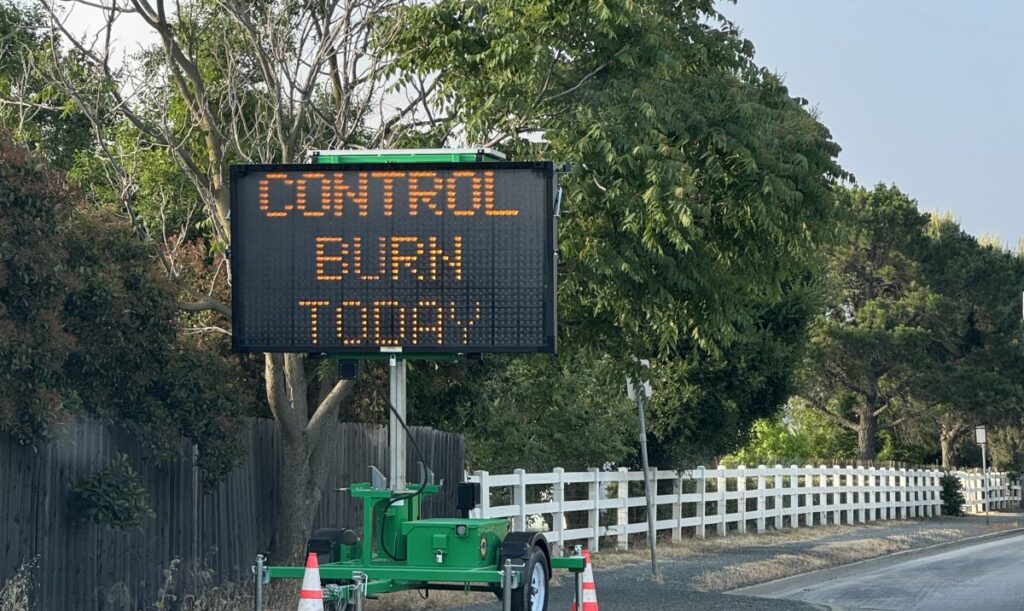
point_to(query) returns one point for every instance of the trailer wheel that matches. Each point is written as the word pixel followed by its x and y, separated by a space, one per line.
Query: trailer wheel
pixel 532 594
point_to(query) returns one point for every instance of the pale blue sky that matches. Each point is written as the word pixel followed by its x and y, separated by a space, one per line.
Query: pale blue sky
pixel 926 94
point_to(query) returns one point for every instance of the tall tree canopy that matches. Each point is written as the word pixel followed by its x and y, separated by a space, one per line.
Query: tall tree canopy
pixel 920 324
pixel 699 185
pixel 699 196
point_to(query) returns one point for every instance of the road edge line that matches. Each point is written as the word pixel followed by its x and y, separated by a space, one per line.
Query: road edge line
pixel 766 589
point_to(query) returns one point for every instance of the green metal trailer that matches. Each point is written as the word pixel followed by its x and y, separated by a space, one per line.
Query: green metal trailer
pixel 400 550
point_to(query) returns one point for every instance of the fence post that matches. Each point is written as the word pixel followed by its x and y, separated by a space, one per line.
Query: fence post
pixel 873 494
pixel 841 495
pixel 809 487
pixel 837 495
pixel 880 495
pixel 702 488
pixel 723 485
pixel 892 512
pixel 919 508
pixel 677 507
pixel 778 496
pixel 654 501
pixel 741 504
pixel 825 485
pixel 558 516
pixel 861 494
pixel 760 497
pixel 851 493
pixel 519 498
pixel 914 499
pixel 884 493
pixel 484 511
pixel 594 514
pixel 794 496
pixel 902 483
pixel 622 517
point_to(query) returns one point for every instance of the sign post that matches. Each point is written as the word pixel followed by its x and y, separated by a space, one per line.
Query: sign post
pixel 396 436
pixel 981 439
pixel 638 392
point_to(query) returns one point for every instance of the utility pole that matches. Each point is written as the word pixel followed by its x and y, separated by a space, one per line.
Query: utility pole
pixel 980 437
pixel 638 393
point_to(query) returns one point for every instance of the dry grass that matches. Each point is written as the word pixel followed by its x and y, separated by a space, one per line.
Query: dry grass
pixel 14 595
pixel 821 556
pixel 674 550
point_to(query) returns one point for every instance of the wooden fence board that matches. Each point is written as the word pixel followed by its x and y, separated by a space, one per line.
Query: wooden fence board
pixel 82 566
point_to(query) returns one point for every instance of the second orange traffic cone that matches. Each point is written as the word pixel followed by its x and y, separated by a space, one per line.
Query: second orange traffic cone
pixel 589 587
pixel 311 598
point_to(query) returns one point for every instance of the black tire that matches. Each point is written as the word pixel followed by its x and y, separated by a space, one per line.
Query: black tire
pixel 536 578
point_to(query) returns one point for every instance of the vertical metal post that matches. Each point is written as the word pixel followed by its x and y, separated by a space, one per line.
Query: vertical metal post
pixel 258 570
pixel 649 486
pixel 359 589
pixel 578 576
pixel 506 586
pixel 396 436
pixel 984 486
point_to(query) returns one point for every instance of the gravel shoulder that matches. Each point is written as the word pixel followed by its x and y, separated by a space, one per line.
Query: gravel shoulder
pixel 694 573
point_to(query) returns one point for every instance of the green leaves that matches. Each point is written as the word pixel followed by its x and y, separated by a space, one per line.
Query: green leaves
pixel 88 324
pixel 920 328
pixel 699 199
pixel 113 496
pixel 34 281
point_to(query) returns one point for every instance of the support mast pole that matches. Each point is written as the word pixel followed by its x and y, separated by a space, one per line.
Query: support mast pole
pixel 650 487
pixel 396 436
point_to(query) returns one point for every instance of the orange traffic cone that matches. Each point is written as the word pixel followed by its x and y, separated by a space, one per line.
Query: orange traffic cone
pixel 589 587
pixel 311 598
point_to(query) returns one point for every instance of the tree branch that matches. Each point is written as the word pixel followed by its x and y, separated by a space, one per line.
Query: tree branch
pixel 207 304
pixel 891 425
pixel 833 416
pixel 328 408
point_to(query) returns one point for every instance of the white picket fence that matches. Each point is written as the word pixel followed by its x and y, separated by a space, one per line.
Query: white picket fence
pixel 1003 491
pixel 749 498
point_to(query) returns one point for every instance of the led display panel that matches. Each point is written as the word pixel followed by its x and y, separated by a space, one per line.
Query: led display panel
pixel 410 257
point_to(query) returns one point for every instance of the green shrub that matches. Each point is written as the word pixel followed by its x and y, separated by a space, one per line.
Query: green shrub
pixel 114 496
pixel 952 495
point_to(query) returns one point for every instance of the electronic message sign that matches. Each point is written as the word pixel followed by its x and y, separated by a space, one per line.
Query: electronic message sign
pixel 409 257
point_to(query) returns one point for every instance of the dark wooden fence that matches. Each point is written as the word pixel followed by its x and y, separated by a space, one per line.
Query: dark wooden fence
pixel 83 566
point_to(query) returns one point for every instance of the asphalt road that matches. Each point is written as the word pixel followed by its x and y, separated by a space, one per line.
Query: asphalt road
pixel 620 590
pixel 988 575
pixel 630 588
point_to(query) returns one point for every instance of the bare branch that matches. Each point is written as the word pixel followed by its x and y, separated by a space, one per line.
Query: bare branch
pixel 206 305
pixel 328 408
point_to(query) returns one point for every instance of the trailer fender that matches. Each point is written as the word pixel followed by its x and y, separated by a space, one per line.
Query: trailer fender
pixel 517 547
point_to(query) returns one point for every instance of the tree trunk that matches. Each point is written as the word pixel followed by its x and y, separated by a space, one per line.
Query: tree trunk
pixel 301 489
pixel 949 435
pixel 306 451
pixel 867 434
pixel 946 443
